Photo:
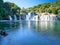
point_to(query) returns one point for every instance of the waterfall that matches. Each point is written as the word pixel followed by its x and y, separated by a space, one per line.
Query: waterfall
pixel 48 18
pixel 19 17
pixel 15 18
pixel 31 17
pixel 28 17
pixel 10 18
pixel 42 17
pixel 34 18
pixel 53 18
pixel 29 14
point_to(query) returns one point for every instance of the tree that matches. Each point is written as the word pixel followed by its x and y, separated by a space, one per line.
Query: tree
pixel 1 9
pixel 46 7
pixel 13 8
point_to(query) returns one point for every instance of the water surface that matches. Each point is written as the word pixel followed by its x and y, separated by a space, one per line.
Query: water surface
pixel 31 33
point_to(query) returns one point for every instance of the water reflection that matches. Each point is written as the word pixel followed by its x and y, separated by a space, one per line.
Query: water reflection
pixel 31 33
pixel 7 26
pixel 44 26
pixel 29 25
pixel 49 28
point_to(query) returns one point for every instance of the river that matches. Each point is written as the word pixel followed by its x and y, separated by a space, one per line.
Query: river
pixel 30 33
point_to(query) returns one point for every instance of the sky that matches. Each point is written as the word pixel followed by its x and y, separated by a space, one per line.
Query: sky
pixel 28 3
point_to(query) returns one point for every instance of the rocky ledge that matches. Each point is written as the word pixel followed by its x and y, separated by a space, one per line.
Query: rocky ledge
pixel 3 33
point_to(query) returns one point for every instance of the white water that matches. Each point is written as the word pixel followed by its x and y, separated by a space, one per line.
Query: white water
pixel 19 17
pixel 15 18
pixel 10 18
pixel 27 17
pixel 44 18
pixel 30 16
pixel 33 17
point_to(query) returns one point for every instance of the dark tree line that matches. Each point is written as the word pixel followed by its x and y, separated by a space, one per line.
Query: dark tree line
pixel 7 8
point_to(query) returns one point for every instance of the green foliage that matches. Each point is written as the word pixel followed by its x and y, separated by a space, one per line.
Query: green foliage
pixel 1 9
pixel 58 13
pixel 13 7
pixel 7 9
pixel 52 7
pixel 23 11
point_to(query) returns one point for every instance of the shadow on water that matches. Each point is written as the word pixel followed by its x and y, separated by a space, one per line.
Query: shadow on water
pixel 7 26
pixel 31 33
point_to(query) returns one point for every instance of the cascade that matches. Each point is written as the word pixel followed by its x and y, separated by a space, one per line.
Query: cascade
pixel 15 18
pixel 10 18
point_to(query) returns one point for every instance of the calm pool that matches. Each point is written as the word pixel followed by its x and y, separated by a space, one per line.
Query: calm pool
pixel 30 33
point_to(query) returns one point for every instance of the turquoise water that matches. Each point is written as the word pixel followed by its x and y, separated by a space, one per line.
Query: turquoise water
pixel 30 33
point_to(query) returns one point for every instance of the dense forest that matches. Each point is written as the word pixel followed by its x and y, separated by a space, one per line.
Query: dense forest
pixel 52 7
pixel 8 8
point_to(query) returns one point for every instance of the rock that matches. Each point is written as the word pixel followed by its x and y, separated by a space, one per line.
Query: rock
pixel 3 33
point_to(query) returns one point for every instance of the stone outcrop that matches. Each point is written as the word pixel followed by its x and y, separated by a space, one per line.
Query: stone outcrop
pixel 3 33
